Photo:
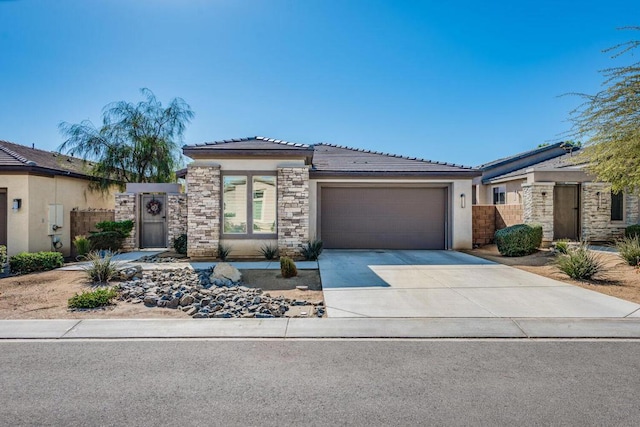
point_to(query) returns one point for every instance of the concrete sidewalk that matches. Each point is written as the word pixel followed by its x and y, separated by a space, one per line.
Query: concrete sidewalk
pixel 628 328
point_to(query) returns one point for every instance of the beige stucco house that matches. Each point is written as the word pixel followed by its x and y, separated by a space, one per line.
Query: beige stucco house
pixel 249 192
pixel 38 189
pixel 555 190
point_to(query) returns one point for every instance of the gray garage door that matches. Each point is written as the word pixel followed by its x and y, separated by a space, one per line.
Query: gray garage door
pixel 383 218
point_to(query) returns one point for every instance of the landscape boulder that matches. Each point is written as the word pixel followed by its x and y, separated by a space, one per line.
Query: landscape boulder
pixel 225 270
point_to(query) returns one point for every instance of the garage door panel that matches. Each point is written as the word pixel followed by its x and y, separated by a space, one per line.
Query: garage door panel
pixel 383 218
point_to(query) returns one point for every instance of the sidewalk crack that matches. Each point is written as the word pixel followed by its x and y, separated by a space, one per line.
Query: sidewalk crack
pixel 70 329
pixel 634 311
pixel 519 327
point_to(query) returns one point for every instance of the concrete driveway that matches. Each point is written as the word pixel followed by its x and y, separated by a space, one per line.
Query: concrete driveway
pixel 450 284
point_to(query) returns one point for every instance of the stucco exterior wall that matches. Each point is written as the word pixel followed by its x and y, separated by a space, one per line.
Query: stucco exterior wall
pixel 28 227
pixel 513 192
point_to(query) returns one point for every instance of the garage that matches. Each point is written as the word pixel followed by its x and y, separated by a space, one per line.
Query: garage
pixel 383 217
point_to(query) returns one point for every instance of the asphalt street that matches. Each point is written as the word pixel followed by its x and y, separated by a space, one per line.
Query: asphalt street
pixel 319 382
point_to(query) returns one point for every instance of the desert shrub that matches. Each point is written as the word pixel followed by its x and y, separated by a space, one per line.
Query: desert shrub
pixel 288 267
pixel 93 299
pixel 26 262
pixel 561 246
pixel 101 267
pixel 312 249
pixel 180 244
pixel 106 240
pixel 3 257
pixel 579 263
pixel 632 230
pixel 629 249
pixel 269 251
pixel 82 244
pixel 519 239
pixel 223 251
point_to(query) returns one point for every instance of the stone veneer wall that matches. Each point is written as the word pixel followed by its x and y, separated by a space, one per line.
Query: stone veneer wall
pixel 176 216
pixel 596 213
pixel 538 207
pixel 203 207
pixel 293 210
pixel 126 209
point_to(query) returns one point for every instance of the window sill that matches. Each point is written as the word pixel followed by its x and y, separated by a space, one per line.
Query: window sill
pixel 249 236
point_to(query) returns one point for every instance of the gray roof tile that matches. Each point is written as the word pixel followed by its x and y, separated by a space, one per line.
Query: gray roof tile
pixel 16 155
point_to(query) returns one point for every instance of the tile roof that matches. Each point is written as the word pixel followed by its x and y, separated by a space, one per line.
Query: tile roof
pixel 249 143
pixel 566 162
pixel 520 155
pixel 16 156
pixel 337 158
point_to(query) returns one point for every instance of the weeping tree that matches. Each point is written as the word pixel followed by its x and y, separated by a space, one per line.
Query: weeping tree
pixel 609 123
pixel 136 142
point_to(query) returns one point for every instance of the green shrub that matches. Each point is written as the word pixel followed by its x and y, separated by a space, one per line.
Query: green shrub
pixel 288 267
pixel 269 251
pixel 223 251
pixel 629 249
pixel 632 230
pixel 124 228
pixel 519 239
pixel 180 244
pixel 93 299
pixel 3 257
pixel 26 262
pixel 82 244
pixel 106 240
pixel 579 263
pixel 101 269
pixel 312 250
pixel 561 246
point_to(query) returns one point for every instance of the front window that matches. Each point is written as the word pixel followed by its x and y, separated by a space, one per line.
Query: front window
pixel 499 195
pixel 617 206
pixel 242 216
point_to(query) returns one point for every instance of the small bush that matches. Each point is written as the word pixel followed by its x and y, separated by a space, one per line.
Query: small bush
pixel 101 267
pixel 223 251
pixel 629 249
pixel 519 240
pixel 26 262
pixel 288 267
pixel 269 251
pixel 82 244
pixel 123 228
pixel 632 230
pixel 3 257
pixel 579 263
pixel 561 246
pixel 93 299
pixel 106 241
pixel 180 244
pixel 312 250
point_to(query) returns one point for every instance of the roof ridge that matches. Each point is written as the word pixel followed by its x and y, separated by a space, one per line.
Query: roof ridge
pixel 400 156
pixel 249 138
pixel 13 153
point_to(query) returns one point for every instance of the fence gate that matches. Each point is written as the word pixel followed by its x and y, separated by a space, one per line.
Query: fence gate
pixel 153 216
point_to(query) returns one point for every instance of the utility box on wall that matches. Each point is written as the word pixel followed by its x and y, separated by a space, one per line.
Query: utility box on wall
pixel 56 220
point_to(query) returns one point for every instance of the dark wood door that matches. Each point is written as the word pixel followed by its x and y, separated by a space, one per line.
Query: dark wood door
pixel 566 212
pixel 153 233
pixel 3 216
pixel 383 218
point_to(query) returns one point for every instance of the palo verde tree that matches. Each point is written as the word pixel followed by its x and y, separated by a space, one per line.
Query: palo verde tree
pixel 136 142
pixel 609 123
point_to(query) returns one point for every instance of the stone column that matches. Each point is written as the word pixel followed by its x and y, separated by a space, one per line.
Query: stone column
pixel 126 209
pixel 632 209
pixel 203 210
pixel 176 216
pixel 537 201
pixel 293 210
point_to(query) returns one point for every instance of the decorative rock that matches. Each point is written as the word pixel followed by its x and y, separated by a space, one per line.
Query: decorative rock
pixel 225 270
pixel 150 301
pixel 187 300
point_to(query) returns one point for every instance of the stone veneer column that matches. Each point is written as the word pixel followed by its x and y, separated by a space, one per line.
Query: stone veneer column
pixel 537 201
pixel 126 209
pixel 293 210
pixel 203 210
pixel 177 216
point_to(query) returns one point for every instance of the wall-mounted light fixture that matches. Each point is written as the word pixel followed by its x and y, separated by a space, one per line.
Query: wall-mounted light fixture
pixel 463 200
pixel 599 198
pixel 17 204
pixel 544 193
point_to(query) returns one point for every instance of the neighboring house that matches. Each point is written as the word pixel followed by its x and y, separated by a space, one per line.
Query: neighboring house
pixel 553 188
pixel 38 189
pixel 250 192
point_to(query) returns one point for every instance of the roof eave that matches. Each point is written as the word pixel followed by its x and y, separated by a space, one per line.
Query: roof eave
pixel 211 152
pixel 463 174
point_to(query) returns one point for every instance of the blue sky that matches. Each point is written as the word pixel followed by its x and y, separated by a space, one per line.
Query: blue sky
pixel 457 81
